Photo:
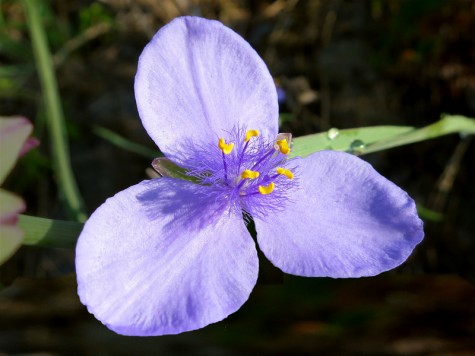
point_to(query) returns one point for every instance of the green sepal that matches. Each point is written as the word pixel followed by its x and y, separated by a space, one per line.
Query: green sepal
pixel 166 168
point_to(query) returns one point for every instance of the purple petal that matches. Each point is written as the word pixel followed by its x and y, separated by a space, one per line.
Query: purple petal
pixel 196 80
pixel 30 143
pixel 161 258
pixel 346 220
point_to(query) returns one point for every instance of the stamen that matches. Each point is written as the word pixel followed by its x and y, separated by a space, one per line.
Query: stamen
pixel 224 147
pixel 285 172
pixel 283 146
pixel 248 174
pixel 264 190
pixel 251 133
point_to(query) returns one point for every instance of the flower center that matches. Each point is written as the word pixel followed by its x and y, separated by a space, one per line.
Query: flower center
pixel 255 173
pixel 247 171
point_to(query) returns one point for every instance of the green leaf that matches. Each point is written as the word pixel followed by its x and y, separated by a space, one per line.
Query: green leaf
pixel 377 138
pixel 14 132
pixel 49 233
pixel 447 125
pixel 341 140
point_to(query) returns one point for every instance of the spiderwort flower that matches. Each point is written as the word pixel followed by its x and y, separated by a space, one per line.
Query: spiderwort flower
pixel 169 255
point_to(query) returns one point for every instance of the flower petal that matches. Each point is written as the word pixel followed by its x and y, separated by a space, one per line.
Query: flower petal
pixel 346 220
pixel 160 258
pixel 14 132
pixel 10 241
pixel 10 207
pixel 11 235
pixel 197 80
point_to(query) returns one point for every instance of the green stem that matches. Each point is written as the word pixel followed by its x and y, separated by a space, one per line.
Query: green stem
pixel 66 182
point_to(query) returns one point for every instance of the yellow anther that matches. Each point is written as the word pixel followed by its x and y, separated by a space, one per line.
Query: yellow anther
pixel 248 174
pixel 225 147
pixel 283 146
pixel 251 133
pixel 264 190
pixel 285 172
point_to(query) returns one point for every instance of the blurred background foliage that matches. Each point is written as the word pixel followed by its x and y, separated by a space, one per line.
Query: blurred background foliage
pixel 339 63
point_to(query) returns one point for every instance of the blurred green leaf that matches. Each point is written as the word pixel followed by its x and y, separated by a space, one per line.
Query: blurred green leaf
pixel 10 205
pixel 429 214
pixel 92 15
pixel 10 241
pixel 14 49
pixel 124 143
pixel 11 236
pixel 14 132
pixel 286 117
pixel 49 233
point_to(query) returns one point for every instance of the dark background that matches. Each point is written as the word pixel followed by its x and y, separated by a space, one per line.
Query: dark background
pixel 341 64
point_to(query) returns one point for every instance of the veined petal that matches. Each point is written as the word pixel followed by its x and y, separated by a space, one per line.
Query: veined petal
pixel 346 220
pixel 197 80
pixel 161 257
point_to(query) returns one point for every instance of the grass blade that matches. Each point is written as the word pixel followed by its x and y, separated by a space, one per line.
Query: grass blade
pixel 68 188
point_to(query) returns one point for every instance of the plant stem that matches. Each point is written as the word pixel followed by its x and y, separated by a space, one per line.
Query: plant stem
pixel 69 191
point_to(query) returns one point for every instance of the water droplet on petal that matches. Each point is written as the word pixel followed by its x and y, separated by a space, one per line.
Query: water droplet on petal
pixel 357 147
pixel 333 133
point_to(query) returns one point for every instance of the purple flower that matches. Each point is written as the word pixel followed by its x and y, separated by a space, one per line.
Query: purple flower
pixel 168 255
